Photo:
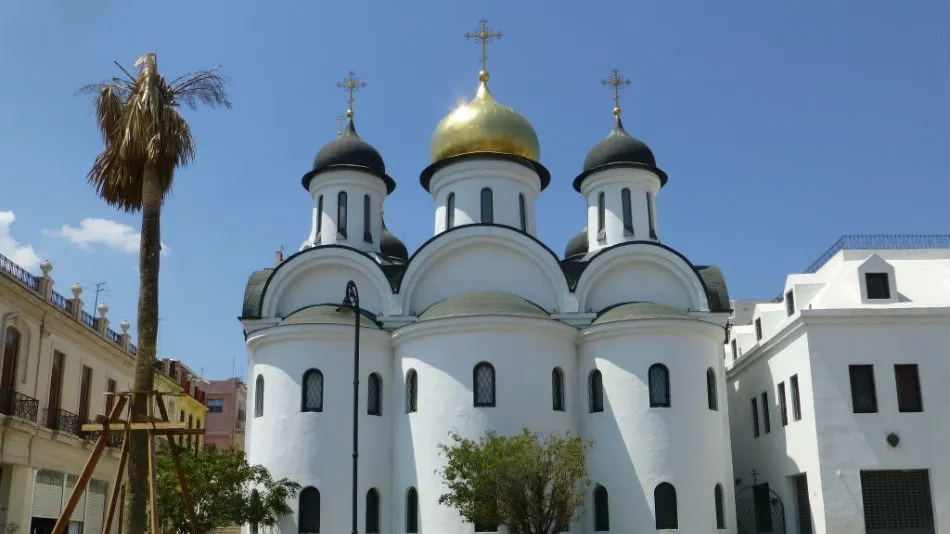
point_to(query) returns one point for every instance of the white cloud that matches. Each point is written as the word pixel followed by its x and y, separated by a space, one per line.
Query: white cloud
pixel 104 232
pixel 22 255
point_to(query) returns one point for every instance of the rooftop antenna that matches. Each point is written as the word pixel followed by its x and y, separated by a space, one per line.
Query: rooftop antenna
pixel 232 364
pixel 100 287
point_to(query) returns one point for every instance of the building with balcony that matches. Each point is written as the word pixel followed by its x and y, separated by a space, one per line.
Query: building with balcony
pixel 838 401
pixel 227 401
pixel 190 404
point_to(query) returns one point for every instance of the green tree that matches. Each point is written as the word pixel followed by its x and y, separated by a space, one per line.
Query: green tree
pixel 529 483
pixel 146 139
pixel 225 489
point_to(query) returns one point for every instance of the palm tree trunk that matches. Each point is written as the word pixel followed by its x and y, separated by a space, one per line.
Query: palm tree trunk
pixel 147 327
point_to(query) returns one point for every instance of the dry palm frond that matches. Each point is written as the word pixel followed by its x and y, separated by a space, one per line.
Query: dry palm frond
pixel 141 127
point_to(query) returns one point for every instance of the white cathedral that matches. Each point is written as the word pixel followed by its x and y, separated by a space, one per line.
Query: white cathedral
pixel 484 328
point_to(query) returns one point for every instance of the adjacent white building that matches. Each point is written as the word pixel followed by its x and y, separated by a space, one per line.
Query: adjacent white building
pixel 483 328
pixel 838 397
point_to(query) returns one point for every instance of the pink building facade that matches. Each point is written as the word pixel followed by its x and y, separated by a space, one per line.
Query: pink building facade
pixel 224 424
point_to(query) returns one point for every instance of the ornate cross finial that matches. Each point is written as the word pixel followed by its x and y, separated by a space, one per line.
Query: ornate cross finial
pixel 482 36
pixel 339 124
pixel 350 85
pixel 616 82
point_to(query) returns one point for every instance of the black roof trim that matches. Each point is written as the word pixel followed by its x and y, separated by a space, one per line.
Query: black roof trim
pixel 543 174
pixel 307 178
pixel 620 164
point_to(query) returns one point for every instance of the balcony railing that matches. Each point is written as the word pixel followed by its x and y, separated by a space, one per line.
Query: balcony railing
pixel 63 421
pixel 59 301
pixel 21 274
pixel 18 405
pixel 88 319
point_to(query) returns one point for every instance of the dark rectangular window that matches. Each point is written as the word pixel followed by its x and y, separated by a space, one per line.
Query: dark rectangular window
pixel 627 212
pixel 766 421
pixel 488 208
pixel 908 388
pixel 782 403
pixel 85 392
pixel 755 418
pixel 735 350
pixel 758 329
pixel 601 215
pixel 650 215
pixel 522 212
pixel 450 212
pixel 796 399
pixel 319 214
pixel 367 224
pixel 215 406
pixel 789 302
pixel 804 504
pixel 878 286
pixel 863 393
pixel 897 501
pixel 341 214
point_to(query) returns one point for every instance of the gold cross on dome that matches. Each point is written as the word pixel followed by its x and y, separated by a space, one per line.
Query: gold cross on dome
pixel 616 82
pixel 350 85
pixel 483 36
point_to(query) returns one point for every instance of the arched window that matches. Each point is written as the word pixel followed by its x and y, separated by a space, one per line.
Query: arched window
pixel 601 509
pixel 483 384
pixel 488 209
pixel 595 391
pixel 374 404
pixel 712 397
pixel 601 215
pixel 659 377
pixel 259 396
pixel 11 351
pixel 341 214
pixel 412 511
pixel 311 399
pixel 522 212
pixel 450 211
pixel 412 391
pixel 319 214
pixel 650 215
pixel 664 504
pixel 372 511
pixel 309 513
pixel 367 226
pixel 627 212
pixel 557 389
pixel 720 507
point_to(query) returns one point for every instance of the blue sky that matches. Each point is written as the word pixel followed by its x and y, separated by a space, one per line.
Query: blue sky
pixel 781 125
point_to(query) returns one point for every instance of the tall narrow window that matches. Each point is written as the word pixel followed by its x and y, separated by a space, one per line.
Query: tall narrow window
pixel 311 399
pixel 557 389
pixel 374 402
pixel 601 509
pixel 664 502
pixel 766 417
pixel 789 302
pixel 796 399
pixel 720 507
pixel 110 399
pixel 188 437
pixel 755 418
pixel 712 397
pixel 85 391
pixel 372 511
pixel 601 215
pixel 878 286
pixel 412 391
pixel 367 225
pixel 650 215
pixel 309 514
pixel 483 378
pixel 758 329
pixel 450 212
pixel 259 396
pixel 488 209
pixel 341 214
pixel 11 352
pixel 522 213
pixel 659 382
pixel 319 214
pixel 735 350
pixel 908 388
pixel 863 392
pixel 412 511
pixel 595 392
pixel 627 212
pixel 782 404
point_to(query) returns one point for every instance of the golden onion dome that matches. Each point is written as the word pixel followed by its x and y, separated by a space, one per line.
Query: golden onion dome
pixel 484 125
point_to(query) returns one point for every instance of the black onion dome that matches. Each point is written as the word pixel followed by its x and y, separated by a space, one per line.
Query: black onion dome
pixel 619 149
pixel 391 247
pixel 577 246
pixel 348 150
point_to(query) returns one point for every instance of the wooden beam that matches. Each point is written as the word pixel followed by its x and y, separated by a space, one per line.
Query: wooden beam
pixel 179 468
pixel 86 474
pixel 117 484
pixel 152 490
pixel 119 427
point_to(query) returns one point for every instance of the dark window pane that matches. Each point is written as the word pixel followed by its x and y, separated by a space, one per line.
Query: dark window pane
pixel 878 285
pixel 488 209
pixel 259 396
pixel 601 215
pixel 908 388
pixel 897 501
pixel 720 507
pixel 755 418
pixel 309 519
pixel 372 511
pixel 782 404
pixel 557 389
pixel 627 212
pixel 595 392
pixel 412 391
pixel 312 391
pixel 484 384
pixel 521 212
pixel 863 393
pixel 711 394
pixel 412 511
pixel 367 226
pixel 341 214
pixel 374 404
pixel 766 413
pixel 796 400
pixel 450 212
pixel 789 303
pixel 758 329
pixel 804 504
pixel 650 215
pixel 664 499
pixel 601 509
pixel 735 350
pixel 659 383
pixel 319 214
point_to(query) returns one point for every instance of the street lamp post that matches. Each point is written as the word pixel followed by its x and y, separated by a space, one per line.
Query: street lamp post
pixel 351 302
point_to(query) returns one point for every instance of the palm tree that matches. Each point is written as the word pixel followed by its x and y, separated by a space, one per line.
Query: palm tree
pixel 146 139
